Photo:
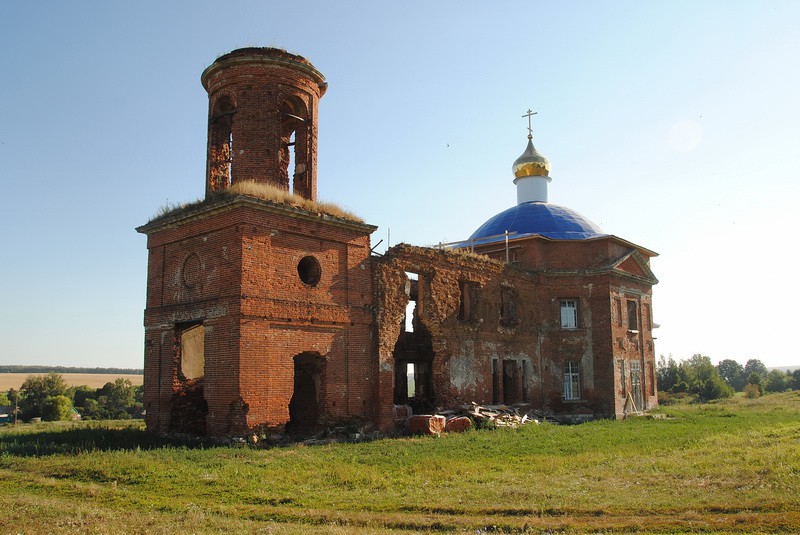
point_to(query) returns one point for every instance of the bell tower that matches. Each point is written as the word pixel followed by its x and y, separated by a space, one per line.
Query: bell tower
pixel 262 120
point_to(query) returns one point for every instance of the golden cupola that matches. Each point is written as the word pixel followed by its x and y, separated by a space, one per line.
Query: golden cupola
pixel 531 163
pixel 531 172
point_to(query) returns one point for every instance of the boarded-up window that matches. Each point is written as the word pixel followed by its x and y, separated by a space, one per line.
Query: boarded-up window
pixel 193 352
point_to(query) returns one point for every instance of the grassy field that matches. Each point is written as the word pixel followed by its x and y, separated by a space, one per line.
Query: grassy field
pixel 726 467
pixel 94 380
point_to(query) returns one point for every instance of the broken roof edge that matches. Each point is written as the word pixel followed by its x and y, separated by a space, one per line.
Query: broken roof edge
pixel 222 203
pixel 262 55
pixel 466 244
pixel 405 250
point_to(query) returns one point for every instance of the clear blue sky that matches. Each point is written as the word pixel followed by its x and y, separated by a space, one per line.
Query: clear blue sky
pixel 674 125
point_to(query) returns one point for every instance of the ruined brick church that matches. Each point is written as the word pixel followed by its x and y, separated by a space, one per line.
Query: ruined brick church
pixel 263 312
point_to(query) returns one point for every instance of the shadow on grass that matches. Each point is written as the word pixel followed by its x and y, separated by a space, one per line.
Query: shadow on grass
pixel 71 441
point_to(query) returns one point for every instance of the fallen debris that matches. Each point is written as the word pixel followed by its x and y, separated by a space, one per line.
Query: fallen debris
pixel 500 415
pixel 426 424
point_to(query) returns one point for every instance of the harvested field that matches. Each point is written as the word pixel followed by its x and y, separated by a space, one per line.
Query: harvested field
pixel 93 380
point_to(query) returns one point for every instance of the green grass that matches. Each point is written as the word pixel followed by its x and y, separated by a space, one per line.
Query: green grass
pixel 726 467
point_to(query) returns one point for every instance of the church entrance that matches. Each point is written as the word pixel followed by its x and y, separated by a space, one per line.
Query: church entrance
pixel 304 407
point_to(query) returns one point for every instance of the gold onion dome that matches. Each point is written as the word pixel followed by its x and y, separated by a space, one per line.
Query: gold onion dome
pixel 531 163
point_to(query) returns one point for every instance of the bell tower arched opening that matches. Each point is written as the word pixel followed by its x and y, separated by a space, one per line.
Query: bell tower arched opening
pixel 220 144
pixel 262 120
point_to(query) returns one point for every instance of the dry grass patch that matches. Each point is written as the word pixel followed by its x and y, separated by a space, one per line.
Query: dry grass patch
pixel 265 192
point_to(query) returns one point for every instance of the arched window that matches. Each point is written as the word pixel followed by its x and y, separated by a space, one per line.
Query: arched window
pixel 294 146
pixel 220 144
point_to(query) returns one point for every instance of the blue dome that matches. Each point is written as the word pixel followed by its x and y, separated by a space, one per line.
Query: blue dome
pixel 538 218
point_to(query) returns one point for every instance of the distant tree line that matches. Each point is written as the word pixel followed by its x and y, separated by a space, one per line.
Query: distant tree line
pixel 699 378
pixel 16 368
pixel 48 397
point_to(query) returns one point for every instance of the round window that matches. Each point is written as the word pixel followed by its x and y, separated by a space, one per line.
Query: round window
pixel 309 270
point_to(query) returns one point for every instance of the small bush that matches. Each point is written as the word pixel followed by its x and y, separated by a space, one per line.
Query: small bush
pixel 751 391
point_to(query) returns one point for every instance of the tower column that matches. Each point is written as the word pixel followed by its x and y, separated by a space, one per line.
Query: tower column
pixel 262 120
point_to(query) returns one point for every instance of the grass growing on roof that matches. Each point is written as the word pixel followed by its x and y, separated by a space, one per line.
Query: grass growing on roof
pixel 265 192
pixel 731 466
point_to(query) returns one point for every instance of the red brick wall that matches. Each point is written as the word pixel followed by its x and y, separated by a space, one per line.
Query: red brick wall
pixel 258 82
pixel 245 288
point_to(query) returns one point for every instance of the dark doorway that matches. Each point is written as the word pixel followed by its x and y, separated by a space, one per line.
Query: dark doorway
pixel 304 407
pixel 511 382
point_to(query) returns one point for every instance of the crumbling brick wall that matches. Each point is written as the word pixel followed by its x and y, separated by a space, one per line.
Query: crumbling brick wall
pixel 259 315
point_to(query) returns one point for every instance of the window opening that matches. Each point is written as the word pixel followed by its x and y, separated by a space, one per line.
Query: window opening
pixel 572 384
pixel 192 348
pixel 621 363
pixel 633 324
pixel 412 291
pixel 508 307
pixel 220 145
pixel 468 302
pixel 309 270
pixel 292 158
pixel 636 384
pixel 569 314
pixel 411 384
pixel 294 146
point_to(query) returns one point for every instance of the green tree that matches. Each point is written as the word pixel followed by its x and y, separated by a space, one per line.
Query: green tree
pixel 81 393
pixel 92 410
pixel 55 408
pixel 794 382
pixel 703 379
pixel 732 373
pixel 775 382
pixel 36 389
pixel 755 366
pixel 117 398
pixel 666 373
pixel 4 399
pixel 755 379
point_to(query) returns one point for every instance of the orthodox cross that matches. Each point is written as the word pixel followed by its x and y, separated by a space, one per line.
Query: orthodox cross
pixel 529 115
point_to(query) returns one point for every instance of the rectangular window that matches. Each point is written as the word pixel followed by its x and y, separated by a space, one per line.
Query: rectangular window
pixel 412 291
pixel 622 375
pixel 192 351
pixel 572 381
pixel 508 307
pixel 636 384
pixel 468 304
pixel 633 319
pixel 569 314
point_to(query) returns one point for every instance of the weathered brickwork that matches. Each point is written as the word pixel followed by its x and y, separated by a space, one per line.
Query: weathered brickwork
pixel 262 108
pixel 264 315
